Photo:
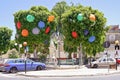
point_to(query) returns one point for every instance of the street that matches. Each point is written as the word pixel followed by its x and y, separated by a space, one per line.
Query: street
pixel 6 76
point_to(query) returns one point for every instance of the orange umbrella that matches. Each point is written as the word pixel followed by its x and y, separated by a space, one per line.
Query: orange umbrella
pixel 24 33
pixel 92 17
pixel 51 18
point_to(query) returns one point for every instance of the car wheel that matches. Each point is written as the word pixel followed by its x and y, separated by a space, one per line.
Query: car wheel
pixel 13 70
pixel 95 66
pixel 39 68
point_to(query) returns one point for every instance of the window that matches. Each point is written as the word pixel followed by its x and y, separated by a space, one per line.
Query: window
pixel 20 61
pixel 104 59
pixel 28 61
pixel 10 61
pixel 110 59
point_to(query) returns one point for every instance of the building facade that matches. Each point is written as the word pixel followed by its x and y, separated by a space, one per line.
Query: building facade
pixel 57 51
pixel 113 34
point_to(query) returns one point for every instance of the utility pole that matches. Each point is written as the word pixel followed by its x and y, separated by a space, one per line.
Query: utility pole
pixel 25 51
pixel 80 55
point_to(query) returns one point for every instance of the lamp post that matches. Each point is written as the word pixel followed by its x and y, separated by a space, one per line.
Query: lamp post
pixel 80 55
pixel 25 51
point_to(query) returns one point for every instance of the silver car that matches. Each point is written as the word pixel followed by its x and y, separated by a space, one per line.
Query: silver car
pixel 103 62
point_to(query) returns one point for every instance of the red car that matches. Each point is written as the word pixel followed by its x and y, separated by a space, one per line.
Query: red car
pixel 118 60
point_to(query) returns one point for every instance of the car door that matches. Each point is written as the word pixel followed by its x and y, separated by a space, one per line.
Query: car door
pixel 111 61
pixel 105 62
pixel 32 65
pixel 28 64
pixel 20 64
pixel 102 62
pixel 99 62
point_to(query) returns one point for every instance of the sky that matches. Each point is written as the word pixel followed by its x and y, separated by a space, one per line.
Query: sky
pixel 110 8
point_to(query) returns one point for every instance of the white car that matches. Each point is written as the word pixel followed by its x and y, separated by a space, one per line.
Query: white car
pixel 103 62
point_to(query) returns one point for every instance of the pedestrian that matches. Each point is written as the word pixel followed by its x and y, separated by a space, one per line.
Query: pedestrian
pixel 116 57
pixel 116 44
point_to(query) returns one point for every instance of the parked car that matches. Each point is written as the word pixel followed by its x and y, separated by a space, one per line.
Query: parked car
pixel 118 60
pixel 15 65
pixel 103 62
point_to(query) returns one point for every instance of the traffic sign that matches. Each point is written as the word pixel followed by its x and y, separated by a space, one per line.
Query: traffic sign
pixel 106 44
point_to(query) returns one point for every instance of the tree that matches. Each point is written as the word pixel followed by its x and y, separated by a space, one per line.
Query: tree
pixel 13 54
pixel 59 9
pixel 13 44
pixel 35 27
pixel 86 26
pixel 5 36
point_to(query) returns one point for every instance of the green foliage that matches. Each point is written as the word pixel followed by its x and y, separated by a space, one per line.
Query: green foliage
pixel 12 44
pixel 42 57
pixel 60 8
pixel 95 28
pixel 13 54
pixel 41 14
pixel 65 17
pixel 107 28
pixel 5 36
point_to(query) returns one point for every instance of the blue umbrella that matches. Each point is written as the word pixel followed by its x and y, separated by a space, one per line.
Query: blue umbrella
pixel 92 38
pixel 41 24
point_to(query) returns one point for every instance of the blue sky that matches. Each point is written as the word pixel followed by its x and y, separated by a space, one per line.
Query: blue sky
pixel 110 8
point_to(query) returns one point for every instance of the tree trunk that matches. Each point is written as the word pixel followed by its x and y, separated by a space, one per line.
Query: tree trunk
pixel 0 54
pixel 35 52
pixel 90 62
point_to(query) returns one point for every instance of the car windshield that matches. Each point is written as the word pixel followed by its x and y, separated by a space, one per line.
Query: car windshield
pixel 110 59
pixel 29 60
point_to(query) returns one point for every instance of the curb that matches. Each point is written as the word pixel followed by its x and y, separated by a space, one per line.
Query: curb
pixel 99 74
pixel 62 68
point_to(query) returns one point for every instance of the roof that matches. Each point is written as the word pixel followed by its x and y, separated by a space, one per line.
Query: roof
pixel 114 29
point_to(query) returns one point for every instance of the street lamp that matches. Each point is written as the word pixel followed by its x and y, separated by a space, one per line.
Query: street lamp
pixel 25 51
pixel 80 55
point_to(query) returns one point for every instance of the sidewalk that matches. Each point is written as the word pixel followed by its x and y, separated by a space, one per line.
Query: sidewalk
pixel 64 67
pixel 83 71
